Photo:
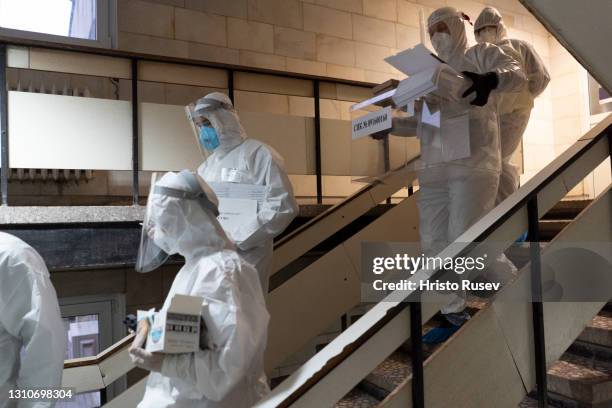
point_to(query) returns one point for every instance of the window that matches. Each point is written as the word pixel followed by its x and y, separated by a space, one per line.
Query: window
pixel 600 100
pixel 86 22
pixel 83 333
pixel 92 324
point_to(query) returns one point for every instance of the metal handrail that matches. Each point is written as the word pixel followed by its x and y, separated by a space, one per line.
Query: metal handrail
pixel 524 199
pixel 102 356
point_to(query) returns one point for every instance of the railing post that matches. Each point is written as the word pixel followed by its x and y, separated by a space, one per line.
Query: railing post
pixel 317 120
pixel 343 322
pixel 3 126
pixel 230 84
pixel 610 147
pixel 135 133
pixel 537 306
pixel 103 396
pixel 387 162
pixel 416 354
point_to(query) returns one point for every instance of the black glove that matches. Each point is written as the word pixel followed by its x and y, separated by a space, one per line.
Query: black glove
pixel 482 84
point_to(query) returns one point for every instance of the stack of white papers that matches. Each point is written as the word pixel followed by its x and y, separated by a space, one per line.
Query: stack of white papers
pixel 427 74
pixel 414 60
pixel 417 85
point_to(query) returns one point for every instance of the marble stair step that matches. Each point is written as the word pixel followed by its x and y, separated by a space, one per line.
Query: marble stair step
pixel 357 398
pixel 588 381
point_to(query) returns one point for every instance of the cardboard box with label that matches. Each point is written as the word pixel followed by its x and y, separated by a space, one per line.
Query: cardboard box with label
pixel 177 329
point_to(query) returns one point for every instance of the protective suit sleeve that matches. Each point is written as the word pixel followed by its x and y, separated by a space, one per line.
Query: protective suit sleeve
pixel 533 67
pixel 237 321
pixel 490 58
pixel 31 314
pixel 278 208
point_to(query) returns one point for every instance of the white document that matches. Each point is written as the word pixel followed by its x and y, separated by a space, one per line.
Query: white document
pixel 239 190
pixel 426 74
pixel 372 122
pixel 420 84
pixel 456 133
pixel 413 60
pixel 372 100
pixel 432 119
pixel 410 108
pixel 234 212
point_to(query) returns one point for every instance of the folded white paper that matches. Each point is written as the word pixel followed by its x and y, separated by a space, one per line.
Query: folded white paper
pixel 419 84
pixel 432 119
pixel 239 190
pixel 234 212
pixel 413 60
pixel 373 100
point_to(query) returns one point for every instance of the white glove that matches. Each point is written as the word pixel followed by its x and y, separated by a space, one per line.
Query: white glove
pixel 146 360
pixel 141 334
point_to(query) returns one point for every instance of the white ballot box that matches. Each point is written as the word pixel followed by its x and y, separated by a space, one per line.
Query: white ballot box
pixel 177 329
pixel 427 75
pixel 428 105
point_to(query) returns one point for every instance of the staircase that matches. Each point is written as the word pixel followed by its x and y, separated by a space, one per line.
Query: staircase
pixel 581 378
pixel 491 360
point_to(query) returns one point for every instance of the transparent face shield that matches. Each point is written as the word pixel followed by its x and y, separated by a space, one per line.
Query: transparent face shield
pixel 206 135
pixel 152 254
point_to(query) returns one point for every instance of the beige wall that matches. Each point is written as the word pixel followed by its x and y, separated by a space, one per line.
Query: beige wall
pixel 349 39
pixel 338 38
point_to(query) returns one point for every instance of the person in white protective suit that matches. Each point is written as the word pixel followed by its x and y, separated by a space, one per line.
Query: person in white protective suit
pixel 455 193
pixel 227 371
pixel 515 107
pixel 232 157
pixel 30 321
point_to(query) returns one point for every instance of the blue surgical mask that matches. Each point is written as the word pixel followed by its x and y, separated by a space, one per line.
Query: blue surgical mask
pixel 208 138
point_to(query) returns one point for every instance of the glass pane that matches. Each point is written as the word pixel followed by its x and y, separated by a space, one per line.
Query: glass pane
pixel 83 341
pixel 68 18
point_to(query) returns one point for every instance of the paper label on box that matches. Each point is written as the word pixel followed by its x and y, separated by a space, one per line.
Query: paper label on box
pixel 177 329
pixel 372 123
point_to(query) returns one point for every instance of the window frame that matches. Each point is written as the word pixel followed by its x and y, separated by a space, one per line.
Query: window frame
pixel 106 29
pixel 111 312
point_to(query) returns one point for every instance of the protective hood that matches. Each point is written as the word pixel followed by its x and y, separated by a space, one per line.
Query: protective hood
pixel 217 108
pixel 180 218
pixel 491 17
pixel 454 20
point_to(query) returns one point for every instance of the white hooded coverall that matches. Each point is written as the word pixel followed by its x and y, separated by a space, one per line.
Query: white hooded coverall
pixel 230 373
pixel 239 159
pixel 454 195
pixel 515 107
pixel 30 319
